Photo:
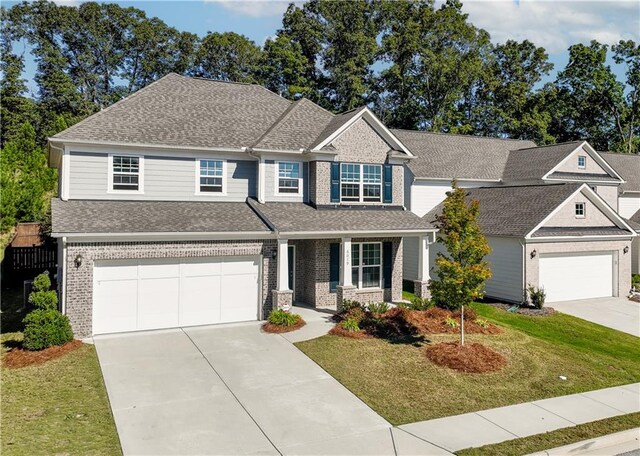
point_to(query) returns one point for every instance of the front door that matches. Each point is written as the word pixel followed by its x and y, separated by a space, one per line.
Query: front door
pixel 292 269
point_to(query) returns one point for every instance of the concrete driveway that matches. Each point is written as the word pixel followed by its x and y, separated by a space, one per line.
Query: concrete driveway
pixel 616 313
pixel 235 390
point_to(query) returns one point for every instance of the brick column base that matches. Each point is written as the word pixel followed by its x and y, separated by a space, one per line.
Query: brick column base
pixel 345 293
pixel 421 289
pixel 282 299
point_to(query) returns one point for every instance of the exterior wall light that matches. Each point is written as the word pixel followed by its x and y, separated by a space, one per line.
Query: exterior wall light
pixel 626 249
pixel 533 253
pixel 78 260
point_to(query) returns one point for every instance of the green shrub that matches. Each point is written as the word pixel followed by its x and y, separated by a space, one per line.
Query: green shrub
pixel 355 313
pixel 348 304
pixel 45 328
pixel 451 323
pixel 420 304
pixel 482 322
pixel 537 296
pixel 635 280
pixel 378 307
pixel 42 282
pixel 283 318
pixel 350 324
pixel 44 299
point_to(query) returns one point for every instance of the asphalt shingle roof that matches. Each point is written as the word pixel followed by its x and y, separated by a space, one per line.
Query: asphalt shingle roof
pixel 635 221
pixel 534 162
pixel 514 211
pixel 180 111
pixel 91 216
pixel 445 156
pixel 628 167
pixel 580 231
pixel 300 217
pixel 335 123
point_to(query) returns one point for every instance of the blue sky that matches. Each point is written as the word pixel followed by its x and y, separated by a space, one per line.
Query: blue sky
pixel 552 24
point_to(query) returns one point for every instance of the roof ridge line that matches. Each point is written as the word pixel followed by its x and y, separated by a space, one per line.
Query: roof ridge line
pixel 280 118
pixel 439 133
pixel 552 145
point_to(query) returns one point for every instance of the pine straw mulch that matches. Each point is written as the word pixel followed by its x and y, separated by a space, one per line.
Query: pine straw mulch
pixel 470 358
pixel 19 357
pixel 432 321
pixel 338 330
pixel 279 329
pixel 524 310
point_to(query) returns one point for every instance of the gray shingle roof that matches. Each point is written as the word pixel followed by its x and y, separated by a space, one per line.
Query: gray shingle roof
pixel 444 156
pixel 514 210
pixel 90 216
pixel 297 128
pixel 627 166
pixel 300 217
pixel 634 221
pixel 580 231
pixel 534 162
pixel 335 123
pixel 583 176
pixel 181 111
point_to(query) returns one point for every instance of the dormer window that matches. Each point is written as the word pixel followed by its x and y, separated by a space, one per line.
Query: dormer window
pixel 125 173
pixel 580 210
pixel 582 161
pixel 289 178
pixel 360 183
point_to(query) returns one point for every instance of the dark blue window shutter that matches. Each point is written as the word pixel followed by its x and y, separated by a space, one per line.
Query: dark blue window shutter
pixel 388 184
pixel 335 182
pixel 387 264
pixel 334 266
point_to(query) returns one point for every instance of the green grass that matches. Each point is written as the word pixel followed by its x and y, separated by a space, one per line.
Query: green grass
pixel 399 383
pixel 59 407
pixel 407 295
pixel 558 438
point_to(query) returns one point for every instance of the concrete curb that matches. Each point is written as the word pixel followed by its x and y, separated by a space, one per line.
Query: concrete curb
pixel 590 446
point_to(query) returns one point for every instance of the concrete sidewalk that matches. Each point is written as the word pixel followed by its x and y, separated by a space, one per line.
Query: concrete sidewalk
pixel 625 442
pixel 472 430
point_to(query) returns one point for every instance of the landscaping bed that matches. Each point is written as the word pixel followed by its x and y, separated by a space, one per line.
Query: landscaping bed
pixel 471 357
pixel 396 379
pixel 17 357
pixel 524 310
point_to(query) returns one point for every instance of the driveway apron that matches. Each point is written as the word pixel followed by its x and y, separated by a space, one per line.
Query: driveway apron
pixel 616 313
pixel 230 390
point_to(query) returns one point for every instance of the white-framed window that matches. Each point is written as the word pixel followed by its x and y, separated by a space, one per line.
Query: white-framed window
pixel 360 183
pixel 366 264
pixel 126 173
pixel 582 161
pixel 289 178
pixel 580 210
pixel 210 176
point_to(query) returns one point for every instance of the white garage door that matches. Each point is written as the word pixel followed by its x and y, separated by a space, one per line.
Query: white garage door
pixel 132 295
pixel 576 276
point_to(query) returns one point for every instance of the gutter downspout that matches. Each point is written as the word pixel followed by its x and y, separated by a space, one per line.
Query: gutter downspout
pixel 63 271
pixel 261 173
pixel 524 271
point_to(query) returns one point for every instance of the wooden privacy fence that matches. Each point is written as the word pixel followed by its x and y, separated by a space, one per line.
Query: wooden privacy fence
pixel 22 263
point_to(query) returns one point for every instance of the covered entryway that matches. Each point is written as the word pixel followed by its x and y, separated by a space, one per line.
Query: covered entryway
pixel 566 277
pixel 132 295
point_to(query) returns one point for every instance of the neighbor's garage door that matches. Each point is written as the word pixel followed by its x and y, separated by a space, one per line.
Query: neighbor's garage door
pixel 576 276
pixel 131 295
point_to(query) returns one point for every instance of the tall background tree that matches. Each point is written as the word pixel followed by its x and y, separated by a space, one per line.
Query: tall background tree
pixel 417 65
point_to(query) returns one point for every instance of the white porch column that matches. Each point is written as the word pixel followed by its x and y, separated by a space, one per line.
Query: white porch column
pixel 423 258
pixel 262 167
pixel 345 263
pixel 283 265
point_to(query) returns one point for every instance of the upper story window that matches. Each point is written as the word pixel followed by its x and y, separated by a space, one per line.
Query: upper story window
pixel 211 176
pixel 580 210
pixel 361 183
pixel 126 173
pixel 582 161
pixel 289 178
pixel 366 265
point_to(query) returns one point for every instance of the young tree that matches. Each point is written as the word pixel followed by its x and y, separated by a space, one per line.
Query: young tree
pixel 462 271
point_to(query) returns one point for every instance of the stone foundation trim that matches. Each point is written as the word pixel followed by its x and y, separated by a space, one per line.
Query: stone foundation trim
pixel 282 300
pixel 345 293
pixel 421 289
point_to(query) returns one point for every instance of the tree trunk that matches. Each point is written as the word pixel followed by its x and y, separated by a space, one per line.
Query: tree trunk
pixel 462 326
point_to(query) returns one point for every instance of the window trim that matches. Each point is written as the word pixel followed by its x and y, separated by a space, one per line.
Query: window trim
pixel 110 189
pixel 584 166
pixel 276 184
pixel 360 266
pixel 197 177
pixel 361 183
pixel 584 210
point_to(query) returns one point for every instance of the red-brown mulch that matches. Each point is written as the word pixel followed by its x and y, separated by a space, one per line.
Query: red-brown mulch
pixel 432 321
pixel 338 330
pixel 278 329
pixel 471 357
pixel 19 357
pixel 524 310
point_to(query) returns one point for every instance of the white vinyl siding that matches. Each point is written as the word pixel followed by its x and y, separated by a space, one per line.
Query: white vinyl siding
pixel 424 195
pixel 629 204
pixel 270 183
pixel 165 178
pixel 505 261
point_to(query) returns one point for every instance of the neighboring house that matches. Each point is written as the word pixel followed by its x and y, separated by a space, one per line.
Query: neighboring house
pixel 582 238
pixel 195 202
pixel 634 221
pixel 27 254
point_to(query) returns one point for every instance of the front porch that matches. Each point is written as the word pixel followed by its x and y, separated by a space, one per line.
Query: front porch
pixel 321 273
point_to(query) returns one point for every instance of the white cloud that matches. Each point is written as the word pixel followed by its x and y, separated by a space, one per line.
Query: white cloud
pixel 556 25
pixel 254 8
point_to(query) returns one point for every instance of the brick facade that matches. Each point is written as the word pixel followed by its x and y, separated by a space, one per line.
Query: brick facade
pixel 79 281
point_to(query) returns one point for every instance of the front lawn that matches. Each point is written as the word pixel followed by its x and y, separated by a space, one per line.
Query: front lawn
pixel 399 383
pixel 59 407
